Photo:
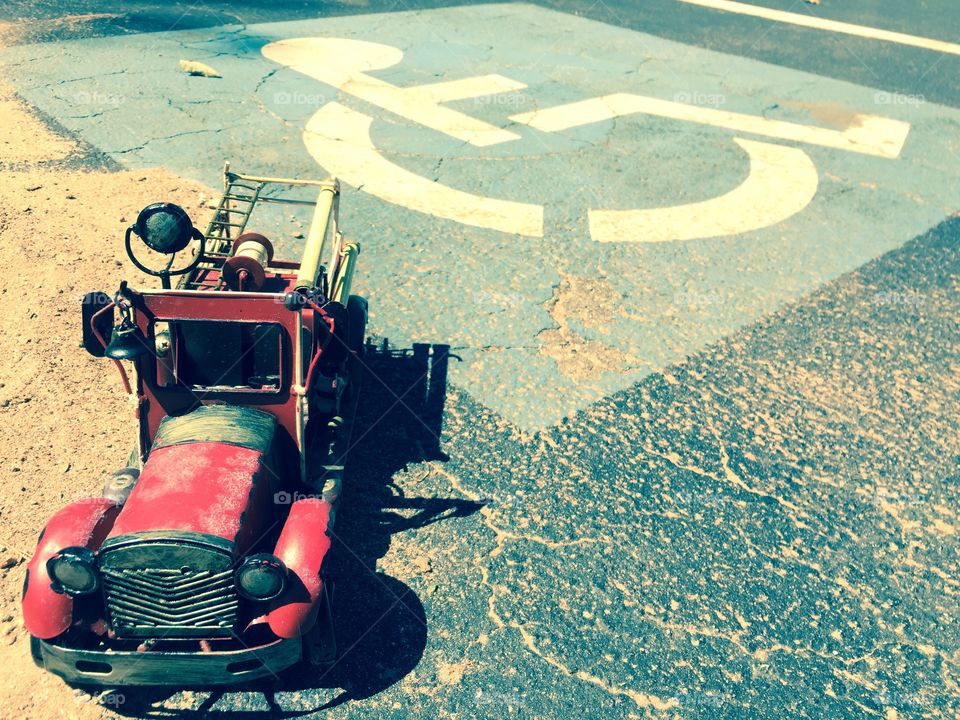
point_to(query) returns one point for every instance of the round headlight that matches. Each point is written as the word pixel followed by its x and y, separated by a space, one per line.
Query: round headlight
pixel 73 571
pixel 261 577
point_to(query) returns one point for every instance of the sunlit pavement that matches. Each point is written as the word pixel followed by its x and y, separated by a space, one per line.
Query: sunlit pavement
pixel 698 453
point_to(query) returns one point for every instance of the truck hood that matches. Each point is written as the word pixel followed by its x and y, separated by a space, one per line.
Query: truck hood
pixel 208 473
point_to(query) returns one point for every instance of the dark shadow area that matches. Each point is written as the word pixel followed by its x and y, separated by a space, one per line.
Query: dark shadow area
pixel 380 624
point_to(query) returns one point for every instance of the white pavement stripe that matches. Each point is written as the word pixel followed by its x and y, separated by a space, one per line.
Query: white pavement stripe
pixel 836 26
pixel 867 134
pixel 471 87
pixel 339 139
pixel 782 182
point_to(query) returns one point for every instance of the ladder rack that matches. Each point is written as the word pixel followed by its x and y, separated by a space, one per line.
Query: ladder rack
pixel 241 193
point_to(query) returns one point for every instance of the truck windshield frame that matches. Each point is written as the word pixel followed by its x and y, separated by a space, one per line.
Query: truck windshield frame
pixel 219 356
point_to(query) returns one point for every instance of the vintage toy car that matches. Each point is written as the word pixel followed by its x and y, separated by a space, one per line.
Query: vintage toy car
pixel 203 561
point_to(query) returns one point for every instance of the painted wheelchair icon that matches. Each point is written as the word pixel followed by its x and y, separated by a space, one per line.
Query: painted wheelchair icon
pixel 781 182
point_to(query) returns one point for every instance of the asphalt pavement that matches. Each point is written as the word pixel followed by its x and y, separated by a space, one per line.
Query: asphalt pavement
pixel 693 452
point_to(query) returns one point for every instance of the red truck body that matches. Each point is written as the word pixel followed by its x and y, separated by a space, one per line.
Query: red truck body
pixel 204 561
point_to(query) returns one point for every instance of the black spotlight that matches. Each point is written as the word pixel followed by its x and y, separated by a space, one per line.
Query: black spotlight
pixel 164 227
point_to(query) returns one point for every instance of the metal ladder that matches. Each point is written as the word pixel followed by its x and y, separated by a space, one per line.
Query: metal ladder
pixel 228 223
pixel 230 217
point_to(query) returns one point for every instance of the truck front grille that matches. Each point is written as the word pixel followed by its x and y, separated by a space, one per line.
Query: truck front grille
pixel 182 602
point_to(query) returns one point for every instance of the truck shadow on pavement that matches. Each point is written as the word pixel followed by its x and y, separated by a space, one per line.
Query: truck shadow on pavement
pixel 381 626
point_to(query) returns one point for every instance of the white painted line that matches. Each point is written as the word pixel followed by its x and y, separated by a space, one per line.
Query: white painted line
pixel 781 183
pixel 470 87
pixel 339 139
pixel 836 26
pixel 343 64
pixel 868 134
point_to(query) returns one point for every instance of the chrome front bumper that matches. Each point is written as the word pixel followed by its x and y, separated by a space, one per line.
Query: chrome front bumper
pixel 184 669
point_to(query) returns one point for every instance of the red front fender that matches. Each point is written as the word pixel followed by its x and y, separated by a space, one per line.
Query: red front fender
pixel 85 523
pixel 302 545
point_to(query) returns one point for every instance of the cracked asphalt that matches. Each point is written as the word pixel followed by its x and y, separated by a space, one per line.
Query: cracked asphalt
pixel 654 303
pixel 714 478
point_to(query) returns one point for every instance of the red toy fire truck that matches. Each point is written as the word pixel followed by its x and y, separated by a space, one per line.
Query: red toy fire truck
pixel 203 561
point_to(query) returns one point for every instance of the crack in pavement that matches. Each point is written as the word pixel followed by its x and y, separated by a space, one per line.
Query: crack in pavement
pixel 643 700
